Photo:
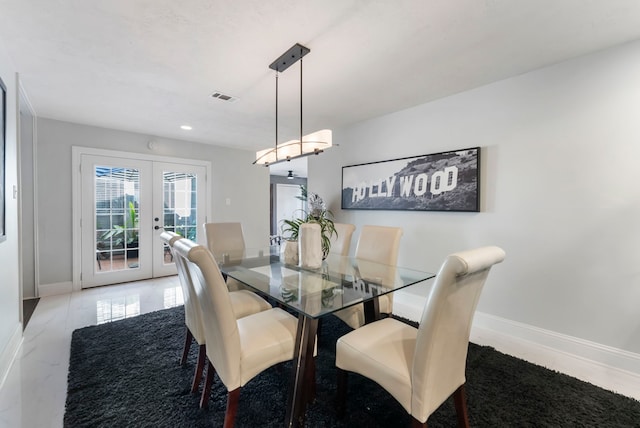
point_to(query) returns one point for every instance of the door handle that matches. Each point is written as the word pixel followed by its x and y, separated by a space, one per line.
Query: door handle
pixel 157 227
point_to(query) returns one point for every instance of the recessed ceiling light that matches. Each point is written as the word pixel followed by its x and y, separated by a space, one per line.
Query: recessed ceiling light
pixel 186 127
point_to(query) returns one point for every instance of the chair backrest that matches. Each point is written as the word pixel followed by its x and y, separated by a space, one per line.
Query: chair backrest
pixel 443 335
pixel 192 312
pixel 169 238
pixel 224 238
pixel 379 244
pixel 219 321
pixel 341 243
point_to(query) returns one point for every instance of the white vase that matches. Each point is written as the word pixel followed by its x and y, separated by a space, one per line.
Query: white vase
pixel 291 252
pixel 310 245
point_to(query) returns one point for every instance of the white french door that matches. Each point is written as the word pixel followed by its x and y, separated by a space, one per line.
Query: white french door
pixel 125 205
pixel 181 202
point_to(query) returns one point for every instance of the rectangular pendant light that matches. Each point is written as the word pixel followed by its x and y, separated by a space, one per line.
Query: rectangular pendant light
pixel 309 144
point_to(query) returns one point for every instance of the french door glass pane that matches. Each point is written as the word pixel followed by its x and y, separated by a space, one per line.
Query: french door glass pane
pixel 179 202
pixel 117 196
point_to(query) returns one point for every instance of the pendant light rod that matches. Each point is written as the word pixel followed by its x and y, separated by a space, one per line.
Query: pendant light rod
pixel 301 100
pixel 286 60
pixel 276 116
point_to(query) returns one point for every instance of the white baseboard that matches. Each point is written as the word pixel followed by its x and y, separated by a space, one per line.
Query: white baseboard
pixel 408 305
pixel 45 290
pixel 610 368
pixel 607 367
pixel 9 353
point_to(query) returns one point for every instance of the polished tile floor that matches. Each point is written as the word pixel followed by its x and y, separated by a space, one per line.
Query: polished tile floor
pixel 34 393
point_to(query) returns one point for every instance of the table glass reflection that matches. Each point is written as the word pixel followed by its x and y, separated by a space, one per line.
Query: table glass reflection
pixel 339 283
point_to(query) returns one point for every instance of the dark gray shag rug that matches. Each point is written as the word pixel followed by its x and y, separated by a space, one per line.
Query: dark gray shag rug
pixel 126 374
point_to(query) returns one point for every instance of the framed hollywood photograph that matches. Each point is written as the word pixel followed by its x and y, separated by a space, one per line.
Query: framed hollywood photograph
pixel 447 181
pixel 3 138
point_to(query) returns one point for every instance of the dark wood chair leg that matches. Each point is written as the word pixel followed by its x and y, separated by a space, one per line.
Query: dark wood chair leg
pixel 460 400
pixel 341 395
pixel 206 390
pixel 417 424
pixel 188 338
pixel 202 355
pixel 232 408
pixel 311 381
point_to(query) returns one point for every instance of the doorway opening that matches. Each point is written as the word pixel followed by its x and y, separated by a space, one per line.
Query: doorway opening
pixel 288 180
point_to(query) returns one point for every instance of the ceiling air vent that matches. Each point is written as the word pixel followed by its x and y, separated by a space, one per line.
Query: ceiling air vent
pixel 223 97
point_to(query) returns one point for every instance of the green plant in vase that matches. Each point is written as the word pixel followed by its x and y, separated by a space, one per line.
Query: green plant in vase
pixel 318 214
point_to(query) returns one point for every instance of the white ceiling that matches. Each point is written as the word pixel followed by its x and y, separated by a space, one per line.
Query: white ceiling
pixel 150 66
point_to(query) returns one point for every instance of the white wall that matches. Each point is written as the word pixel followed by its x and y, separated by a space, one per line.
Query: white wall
pixel 234 177
pixel 10 300
pixel 26 135
pixel 560 191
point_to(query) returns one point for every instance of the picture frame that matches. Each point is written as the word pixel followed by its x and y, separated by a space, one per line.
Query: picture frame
pixel 3 146
pixel 445 181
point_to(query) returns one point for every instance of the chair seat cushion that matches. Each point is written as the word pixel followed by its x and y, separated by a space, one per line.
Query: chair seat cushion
pixel 382 351
pixel 353 316
pixel 245 303
pixel 266 338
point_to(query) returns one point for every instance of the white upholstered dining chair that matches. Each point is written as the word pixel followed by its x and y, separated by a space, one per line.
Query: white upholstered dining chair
pixel 378 244
pixel 421 367
pixel 237 349
pixel 226 238
pixel 191 318
pixel 243 303
pixel 341 240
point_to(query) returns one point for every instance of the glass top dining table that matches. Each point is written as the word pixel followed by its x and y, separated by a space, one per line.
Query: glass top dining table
pixel 339 283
